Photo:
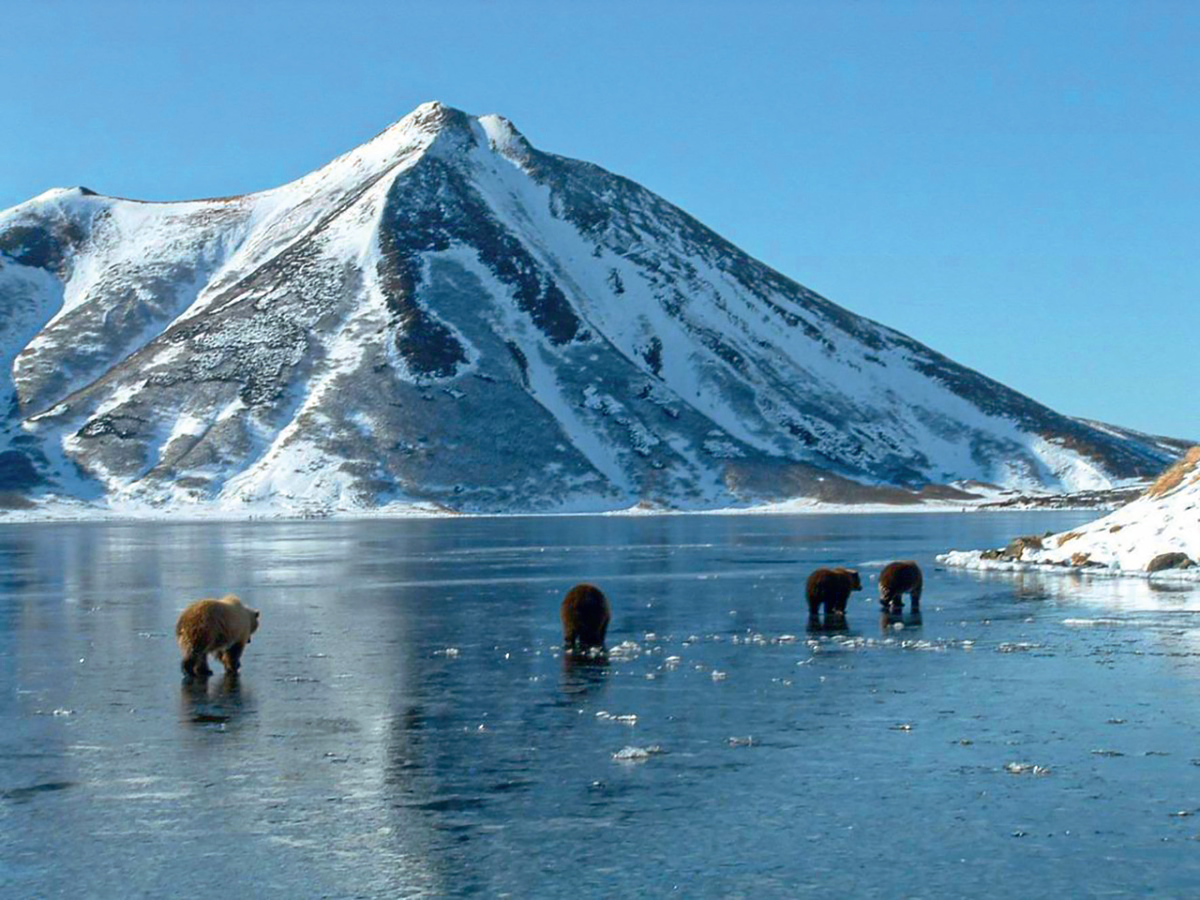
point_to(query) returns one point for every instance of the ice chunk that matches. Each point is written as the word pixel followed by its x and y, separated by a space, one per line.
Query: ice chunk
pixel 637 754
pixel 1022 768
pixel 606 716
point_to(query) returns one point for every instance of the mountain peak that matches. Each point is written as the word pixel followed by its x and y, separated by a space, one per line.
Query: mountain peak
pixel 436 116
pixel 448 125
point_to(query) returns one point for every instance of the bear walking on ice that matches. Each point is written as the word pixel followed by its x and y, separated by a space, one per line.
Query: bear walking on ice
pixel 585 615
pixel 895 581
pixel 221 627
pixel 831 589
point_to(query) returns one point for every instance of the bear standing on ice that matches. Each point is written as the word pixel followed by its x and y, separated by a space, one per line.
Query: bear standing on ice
pixel 585 616
pixel 830 588
pixel 222 627
pixel 895 581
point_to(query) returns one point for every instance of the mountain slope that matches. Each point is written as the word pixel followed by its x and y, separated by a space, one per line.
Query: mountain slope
pixel 448 315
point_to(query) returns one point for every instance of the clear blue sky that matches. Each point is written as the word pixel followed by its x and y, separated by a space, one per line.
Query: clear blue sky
pixel 1015 184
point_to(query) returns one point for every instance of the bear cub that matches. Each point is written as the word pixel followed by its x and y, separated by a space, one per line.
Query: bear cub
pixel 221 627
pixel 898 579
pixel 831 589
pixel 585 615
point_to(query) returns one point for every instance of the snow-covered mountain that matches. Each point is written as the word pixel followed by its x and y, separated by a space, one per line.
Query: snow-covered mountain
pixel 450 316
pixel 1159 532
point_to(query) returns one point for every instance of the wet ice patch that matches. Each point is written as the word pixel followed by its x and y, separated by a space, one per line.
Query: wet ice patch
pixel 1093 623
pixel 23 794
pixel 1017 647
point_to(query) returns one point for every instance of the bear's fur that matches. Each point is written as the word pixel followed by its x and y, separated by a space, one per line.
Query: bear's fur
pixel 831 589
pixel 221 627
pixel 898 579
pixel 585 615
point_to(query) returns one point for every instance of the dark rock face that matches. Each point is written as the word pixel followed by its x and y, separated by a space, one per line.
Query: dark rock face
pixel 41 246
pixel 430 208
pixel 17 472
pixel 449 315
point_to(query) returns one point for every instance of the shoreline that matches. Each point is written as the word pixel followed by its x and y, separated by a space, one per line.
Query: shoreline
pixel 67 513
pixel 972 561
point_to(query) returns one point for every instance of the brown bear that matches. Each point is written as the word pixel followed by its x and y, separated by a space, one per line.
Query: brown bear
pixel 585 616
pixel 222 627
pixel 831 588
pixel 898 579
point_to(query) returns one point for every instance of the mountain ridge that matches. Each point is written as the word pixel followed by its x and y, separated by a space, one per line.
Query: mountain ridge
pixel 611 348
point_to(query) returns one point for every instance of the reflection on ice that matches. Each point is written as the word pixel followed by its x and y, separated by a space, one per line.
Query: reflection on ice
pixel 1112 594
pixel 410 726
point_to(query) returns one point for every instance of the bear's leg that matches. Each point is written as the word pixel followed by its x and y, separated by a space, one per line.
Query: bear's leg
pixel 200 664
pixel 836 609
pixel 916 599
pixel 231 658
pixel 814 619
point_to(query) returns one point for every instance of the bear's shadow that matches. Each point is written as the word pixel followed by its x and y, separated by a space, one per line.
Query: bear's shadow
pixel 583 672
pixel 909 620
pixel 832 624
pixel 216 701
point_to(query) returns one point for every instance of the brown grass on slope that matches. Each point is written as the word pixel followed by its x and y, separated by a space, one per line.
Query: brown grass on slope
pixel 1174 476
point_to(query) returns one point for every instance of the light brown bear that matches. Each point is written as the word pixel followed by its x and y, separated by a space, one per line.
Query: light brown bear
pixel 585 615
pixel 830 588
pixel 895 581
pixel 222 627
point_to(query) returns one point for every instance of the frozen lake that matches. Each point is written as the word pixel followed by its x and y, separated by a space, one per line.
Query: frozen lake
pixel 405 724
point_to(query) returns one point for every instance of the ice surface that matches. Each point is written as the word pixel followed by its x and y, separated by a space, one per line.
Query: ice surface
pixel 406 724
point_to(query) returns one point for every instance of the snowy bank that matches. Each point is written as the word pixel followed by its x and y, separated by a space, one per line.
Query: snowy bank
pixel 1157 535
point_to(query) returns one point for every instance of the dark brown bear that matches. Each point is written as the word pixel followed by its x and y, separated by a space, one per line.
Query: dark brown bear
pixel 585 615
pixel 898 579
pixel 831 588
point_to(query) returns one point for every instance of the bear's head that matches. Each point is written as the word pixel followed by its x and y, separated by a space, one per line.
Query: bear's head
pixel 852 576
pixel 251 614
